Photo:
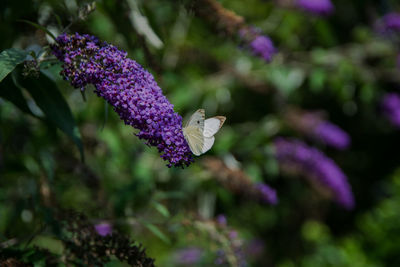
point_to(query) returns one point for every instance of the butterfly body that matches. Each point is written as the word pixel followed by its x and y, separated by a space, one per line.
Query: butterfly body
pixel 199 132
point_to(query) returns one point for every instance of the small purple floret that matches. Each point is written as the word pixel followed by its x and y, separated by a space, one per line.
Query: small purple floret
pixel 267 194
pixel 263 47
pixel 316 166
pixel 130 89
pixel 316 7
pixel 260 45
pixel 391 108
pixel 103 229
pixel 221 220
pixel 332 135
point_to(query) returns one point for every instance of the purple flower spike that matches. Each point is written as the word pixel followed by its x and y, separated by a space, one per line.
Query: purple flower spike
pixel 316 7
pixel 332 135
pixel 267 194
pixel 314 126
pixel 103 229
pixel 130 89
pixel 294 155
pixel 391 108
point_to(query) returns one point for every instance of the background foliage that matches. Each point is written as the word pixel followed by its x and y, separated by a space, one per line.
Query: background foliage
pixel 338 64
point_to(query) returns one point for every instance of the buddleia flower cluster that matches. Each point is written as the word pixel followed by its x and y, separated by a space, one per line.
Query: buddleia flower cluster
pixel 128 88
pixel 296 156
pixel 314 126
pixel 316 7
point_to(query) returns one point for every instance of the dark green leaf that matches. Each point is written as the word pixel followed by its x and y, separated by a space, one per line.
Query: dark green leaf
pixel 161 209
pixel 156 231
pixel 169 195
pixel 9 91
pixel 105 114
pixel 47 96
pixel 317 79
pixel 58 20
pixel 9 59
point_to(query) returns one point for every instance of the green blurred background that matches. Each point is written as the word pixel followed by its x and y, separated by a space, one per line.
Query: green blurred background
pixel 337 64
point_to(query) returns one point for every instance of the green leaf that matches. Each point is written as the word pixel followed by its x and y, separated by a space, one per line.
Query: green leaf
pixel 317 79
pixel 142 25
pixel 161 209
pixel 9 91
pixel 157 232
pixel 40 27
pixel 285 79
pixel 169 195
pixel 47 96
pixel 9 59
pixel 58 19
pixel 105 115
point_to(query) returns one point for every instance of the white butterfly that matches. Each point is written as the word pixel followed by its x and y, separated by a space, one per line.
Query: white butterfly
pixel 199 133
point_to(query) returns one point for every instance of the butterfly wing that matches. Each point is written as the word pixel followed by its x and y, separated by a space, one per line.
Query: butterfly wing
pixel 208 143
pixel 195 139
pixel 197 119
pixel 212 125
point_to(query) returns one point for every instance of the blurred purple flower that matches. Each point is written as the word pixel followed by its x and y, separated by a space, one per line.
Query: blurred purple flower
pixel 255 248
pixel 266 194
pixel 233 235
pixel 221 257
pixel 188 256
pixel 317 7
pixel 130 89
pixel 390 23
pixel 103 229
pixel 236 250
pixel 263 47
pixel 332 135
pixel 221 220
pixel 313 164
pixel 260 45
pixel 313 125
pixel 391 108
